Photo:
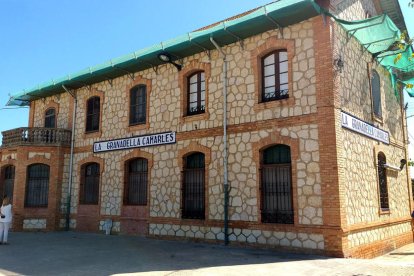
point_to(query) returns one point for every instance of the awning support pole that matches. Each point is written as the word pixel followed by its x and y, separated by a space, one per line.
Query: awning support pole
pixel 225 184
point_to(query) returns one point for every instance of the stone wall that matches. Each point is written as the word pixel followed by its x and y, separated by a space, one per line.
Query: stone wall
pixel 62 105
pixel 252 126
pixel 358 154
pixel 354 9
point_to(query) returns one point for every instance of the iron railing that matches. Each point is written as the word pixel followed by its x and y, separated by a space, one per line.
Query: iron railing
pixel 276 194
pixel 36 136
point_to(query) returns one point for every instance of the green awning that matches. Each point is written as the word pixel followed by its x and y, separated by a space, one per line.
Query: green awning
pixel 382 38
pixel 271 16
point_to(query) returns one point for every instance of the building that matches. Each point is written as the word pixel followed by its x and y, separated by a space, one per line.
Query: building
pixel 309 157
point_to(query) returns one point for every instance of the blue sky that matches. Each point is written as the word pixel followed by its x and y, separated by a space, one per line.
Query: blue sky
pixel 41 40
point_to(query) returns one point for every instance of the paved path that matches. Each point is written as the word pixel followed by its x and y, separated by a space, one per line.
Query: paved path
pixel 70 253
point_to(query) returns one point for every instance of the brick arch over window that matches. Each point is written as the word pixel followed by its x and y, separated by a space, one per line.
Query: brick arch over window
pixel 135 83
pixel 189 150
pixel 189 70
pixel 82 164
pixel 135 154
pixel 265 143
pixel 272 44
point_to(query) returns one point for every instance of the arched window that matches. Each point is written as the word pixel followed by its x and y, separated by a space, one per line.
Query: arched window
pixel 376 94
pixel 7 181
pixel 37 186
pixel 136 182
pixel 275 84
pixel 193 203
pixel 196 98
pixel 276 185
pixel 93 107
pixel 138 105
pixel 50 118
pixel 382 181
pixel 89 186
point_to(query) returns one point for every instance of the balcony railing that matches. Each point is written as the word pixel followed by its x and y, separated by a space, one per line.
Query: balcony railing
pixel 38 136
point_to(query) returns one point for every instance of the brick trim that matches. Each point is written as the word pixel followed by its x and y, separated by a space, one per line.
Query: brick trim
pixel 148 83
pixel 272 44
pixel 188 70
pixel 32 113
pixel 328 102
pixel 274 139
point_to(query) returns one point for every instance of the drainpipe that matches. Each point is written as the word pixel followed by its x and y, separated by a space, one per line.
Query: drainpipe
pixel 226 184
pixel 72 145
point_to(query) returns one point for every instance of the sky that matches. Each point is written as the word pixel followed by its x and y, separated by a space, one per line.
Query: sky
pixel 41 40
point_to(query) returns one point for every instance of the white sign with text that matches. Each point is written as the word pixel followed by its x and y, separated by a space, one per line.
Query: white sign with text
pixel 135 142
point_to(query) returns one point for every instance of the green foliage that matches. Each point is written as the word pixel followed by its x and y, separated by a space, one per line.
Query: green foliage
pixel 410 163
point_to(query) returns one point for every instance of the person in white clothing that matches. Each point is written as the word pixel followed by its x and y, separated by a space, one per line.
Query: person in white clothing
pixel 5 220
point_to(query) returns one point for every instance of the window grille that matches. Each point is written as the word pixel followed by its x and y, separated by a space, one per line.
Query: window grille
pixel 137 182
pixel 37 186
pixel 138 102
pixel 382 179
pixel 275 81
pixel 93 114
pixel 276 185
pixel 193 202
pixel 196 93
pixel 89 192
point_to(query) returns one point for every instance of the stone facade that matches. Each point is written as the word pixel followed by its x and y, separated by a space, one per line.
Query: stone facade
pixel 333 170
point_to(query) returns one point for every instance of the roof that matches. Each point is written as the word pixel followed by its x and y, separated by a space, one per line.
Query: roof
pixel 393 10
pixel 271 16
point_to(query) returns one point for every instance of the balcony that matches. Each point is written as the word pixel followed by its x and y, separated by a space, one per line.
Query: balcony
pixel 36 136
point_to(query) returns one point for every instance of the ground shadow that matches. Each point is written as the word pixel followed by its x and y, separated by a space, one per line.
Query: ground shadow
pixel 72 253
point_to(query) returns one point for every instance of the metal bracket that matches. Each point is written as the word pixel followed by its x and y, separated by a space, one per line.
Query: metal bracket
pixel 110 81
pixel 71 91
pixel 130 74
pixel 207 51
pixel 236 37
pixel 278 26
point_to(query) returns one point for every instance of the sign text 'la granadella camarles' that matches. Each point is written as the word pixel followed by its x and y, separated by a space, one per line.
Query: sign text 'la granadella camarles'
pixel 357 125
pixel 135 142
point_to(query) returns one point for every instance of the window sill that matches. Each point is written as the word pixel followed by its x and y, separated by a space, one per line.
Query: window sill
pixel 92 134
pixel 384 211
pixel 197 117
pixel 377 119
pixel 140 126
pixel 289 102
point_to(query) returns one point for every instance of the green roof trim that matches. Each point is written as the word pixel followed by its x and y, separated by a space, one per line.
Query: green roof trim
pixel 283 13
